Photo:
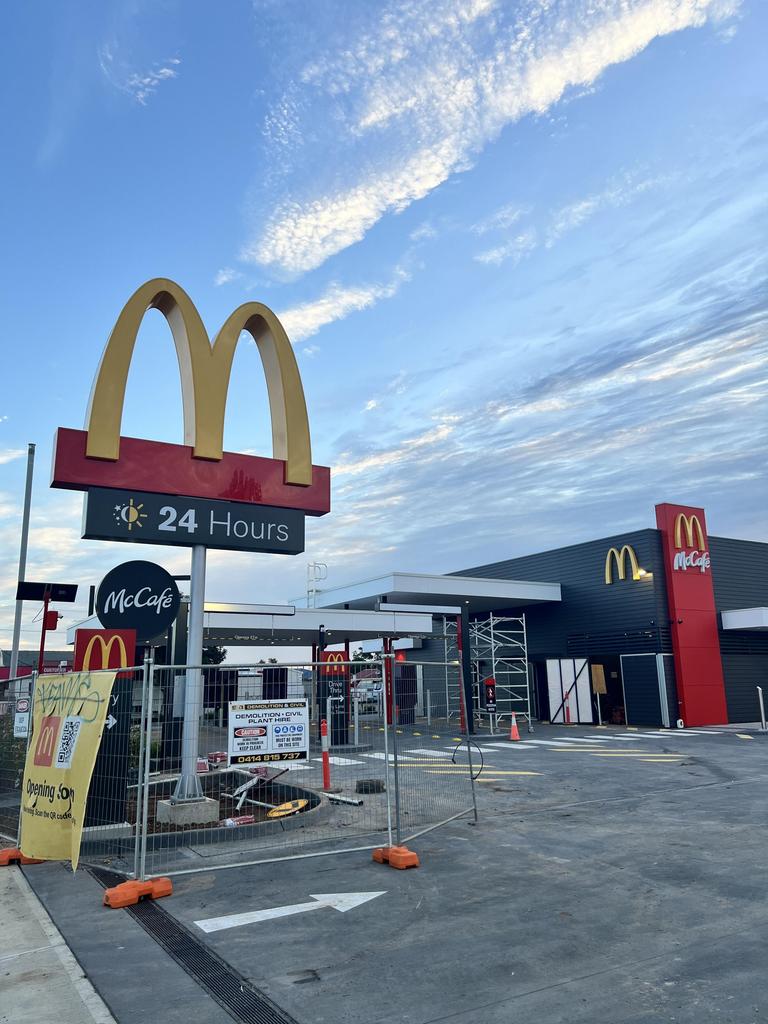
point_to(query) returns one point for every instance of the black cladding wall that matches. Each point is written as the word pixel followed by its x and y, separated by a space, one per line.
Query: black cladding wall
pixel 627 616
pixel 740 578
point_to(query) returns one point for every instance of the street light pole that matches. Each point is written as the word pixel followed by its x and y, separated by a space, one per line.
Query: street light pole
pixel 22 561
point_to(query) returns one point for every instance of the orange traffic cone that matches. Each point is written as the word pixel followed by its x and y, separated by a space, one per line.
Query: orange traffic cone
pixel 513 731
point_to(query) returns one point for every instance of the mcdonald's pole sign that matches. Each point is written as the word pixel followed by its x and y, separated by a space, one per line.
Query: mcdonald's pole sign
pixel 692 614
pixel 98 460
pixel 109 649
pixel 98 457
pixel 104 648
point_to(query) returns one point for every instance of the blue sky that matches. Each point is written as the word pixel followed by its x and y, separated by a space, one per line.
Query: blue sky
pixel 519 248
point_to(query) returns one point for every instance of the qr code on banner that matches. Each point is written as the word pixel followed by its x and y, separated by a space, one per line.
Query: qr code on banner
pixel 70 731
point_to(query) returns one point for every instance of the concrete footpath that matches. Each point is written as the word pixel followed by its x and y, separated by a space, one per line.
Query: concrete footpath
pixel 40 980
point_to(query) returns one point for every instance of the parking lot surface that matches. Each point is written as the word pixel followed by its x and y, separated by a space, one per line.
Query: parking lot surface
pixel 614 876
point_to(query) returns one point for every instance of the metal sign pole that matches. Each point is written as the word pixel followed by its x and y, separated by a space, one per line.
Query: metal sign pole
pixel 22 562
pixel 188 787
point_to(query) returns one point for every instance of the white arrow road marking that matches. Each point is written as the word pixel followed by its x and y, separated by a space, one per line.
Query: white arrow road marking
pixel 342 901
pixel 111 721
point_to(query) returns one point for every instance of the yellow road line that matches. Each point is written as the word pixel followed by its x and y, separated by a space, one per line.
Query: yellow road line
pixel 744 736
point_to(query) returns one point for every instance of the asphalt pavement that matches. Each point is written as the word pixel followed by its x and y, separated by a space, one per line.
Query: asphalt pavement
pixel 614 876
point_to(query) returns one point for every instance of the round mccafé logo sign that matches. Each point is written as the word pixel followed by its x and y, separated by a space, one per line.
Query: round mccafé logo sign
pixel 138 595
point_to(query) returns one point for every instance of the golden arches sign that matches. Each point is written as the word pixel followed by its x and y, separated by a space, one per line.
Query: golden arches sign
pixel 106 648
pixel 205 371
pixel 619 557
pixel 692 525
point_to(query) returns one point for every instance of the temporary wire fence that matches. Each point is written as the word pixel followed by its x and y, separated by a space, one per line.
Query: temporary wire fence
pixel 14 693
pixel 169 794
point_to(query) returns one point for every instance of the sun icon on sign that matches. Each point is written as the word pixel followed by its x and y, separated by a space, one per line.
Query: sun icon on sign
pixel 130 514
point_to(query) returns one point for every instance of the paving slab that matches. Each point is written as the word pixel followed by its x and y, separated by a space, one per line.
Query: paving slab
pixel 40 980
pixel 137 980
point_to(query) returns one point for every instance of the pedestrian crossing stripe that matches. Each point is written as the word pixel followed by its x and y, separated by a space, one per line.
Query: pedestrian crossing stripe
pixel 493 778
pixel 635 754
pixel 600 750
pixel 335 759
pixel 494 772
pixel 522 745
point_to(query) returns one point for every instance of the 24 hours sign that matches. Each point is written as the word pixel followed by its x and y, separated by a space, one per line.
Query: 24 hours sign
pixel 267 731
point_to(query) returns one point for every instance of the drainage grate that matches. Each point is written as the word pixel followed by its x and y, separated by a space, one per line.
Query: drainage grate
pixel 231 990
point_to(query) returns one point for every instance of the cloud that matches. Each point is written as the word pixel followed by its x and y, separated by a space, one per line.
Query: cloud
pixel 504 217
pixel 423 232
pixel 11 454
pixel 338 302
pixel 138 84
pixel 515 249
pixel 417 97
pixel 225 275
pixel 617 193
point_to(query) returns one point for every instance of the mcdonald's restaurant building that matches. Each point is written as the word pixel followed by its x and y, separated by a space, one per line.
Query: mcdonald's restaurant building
pixel 675 622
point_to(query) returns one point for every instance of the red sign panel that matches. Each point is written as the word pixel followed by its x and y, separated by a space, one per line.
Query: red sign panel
pixel 333 664
pixel 47 740
pixel 691 601
pixel 149 465
pixel 104 648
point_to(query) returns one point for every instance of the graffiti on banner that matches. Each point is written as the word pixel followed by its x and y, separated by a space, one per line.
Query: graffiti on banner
pixel 68 718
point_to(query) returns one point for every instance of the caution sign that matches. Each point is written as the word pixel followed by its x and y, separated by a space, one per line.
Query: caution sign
pixel 268 730
pixel 67 722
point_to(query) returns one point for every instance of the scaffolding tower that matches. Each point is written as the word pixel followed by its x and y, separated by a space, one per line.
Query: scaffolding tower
pixel 498 650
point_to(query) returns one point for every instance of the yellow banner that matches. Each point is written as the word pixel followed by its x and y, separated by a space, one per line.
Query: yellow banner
pixel 68 715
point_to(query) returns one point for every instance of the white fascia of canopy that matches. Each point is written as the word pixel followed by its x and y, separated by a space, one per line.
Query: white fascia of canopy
pixel 480 593
pixel 251 625
pixel 303 626
pixel 746 618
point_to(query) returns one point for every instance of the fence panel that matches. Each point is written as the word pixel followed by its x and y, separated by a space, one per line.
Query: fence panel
pixel 13 750
pixel 396 765
pixel 386 774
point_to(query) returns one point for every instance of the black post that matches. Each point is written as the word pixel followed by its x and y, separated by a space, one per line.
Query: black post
pixel 466 668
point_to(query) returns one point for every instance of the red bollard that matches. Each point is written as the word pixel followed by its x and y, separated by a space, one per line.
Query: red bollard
pixel 324 742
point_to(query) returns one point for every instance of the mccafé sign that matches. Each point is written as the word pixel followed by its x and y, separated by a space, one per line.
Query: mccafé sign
pixel 691 545
pixel 138 595
pixel 99 457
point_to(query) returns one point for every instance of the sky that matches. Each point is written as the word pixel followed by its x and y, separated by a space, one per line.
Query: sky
pixel 519 249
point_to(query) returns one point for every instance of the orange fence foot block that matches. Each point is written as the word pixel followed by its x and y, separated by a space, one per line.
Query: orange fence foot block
pixel 15 856
pixel 396 856
pixel 129 893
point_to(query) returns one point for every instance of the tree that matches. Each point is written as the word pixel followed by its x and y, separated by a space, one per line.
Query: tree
pixel 361 659
pixel 214 655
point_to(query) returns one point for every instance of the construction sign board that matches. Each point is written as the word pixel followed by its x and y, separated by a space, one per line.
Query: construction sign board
pixel 68 719
pixel 268 730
